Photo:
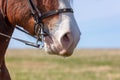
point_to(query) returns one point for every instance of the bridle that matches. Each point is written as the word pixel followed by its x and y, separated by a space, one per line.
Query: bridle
pixel 39 28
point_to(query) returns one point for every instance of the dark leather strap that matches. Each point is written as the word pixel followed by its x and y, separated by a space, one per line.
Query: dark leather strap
pixel 32 7
pixel 54 12
pixel 35 13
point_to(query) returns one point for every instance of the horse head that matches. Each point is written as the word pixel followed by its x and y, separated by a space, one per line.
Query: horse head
pixel 64 33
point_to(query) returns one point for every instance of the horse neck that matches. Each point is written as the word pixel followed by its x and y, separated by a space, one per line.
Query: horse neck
pixel 5 28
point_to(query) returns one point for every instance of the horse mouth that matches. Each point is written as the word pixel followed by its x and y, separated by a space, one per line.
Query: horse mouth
pixel 52 46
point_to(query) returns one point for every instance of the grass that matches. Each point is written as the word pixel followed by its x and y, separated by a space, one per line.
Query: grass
pixel 82 65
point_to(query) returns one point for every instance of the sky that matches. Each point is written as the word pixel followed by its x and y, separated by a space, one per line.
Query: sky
pixel 98 20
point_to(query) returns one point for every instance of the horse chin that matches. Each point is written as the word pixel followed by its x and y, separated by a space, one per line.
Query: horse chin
pixel 53 51
pixel 54 48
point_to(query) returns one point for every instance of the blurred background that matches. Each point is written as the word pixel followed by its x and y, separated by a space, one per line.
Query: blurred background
pixel 98 20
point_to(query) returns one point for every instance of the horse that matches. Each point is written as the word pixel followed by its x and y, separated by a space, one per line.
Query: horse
pixel 51 21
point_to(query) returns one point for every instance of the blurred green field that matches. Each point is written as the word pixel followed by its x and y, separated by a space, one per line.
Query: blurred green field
pixel 86 64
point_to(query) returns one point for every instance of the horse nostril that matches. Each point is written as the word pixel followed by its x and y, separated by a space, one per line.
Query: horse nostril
pixel 66 37
pixel 66 40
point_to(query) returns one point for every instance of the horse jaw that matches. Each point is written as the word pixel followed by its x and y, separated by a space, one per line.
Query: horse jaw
pixel 65 35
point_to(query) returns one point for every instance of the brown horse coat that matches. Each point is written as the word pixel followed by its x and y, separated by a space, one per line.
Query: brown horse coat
pixel 11 13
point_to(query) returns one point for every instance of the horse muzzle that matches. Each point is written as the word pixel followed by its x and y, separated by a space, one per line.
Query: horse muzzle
pixel 62 45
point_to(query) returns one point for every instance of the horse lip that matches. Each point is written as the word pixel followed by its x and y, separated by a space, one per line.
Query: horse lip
pixel 56 50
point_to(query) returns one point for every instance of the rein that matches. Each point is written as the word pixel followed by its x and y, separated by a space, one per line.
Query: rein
pixel 39 28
